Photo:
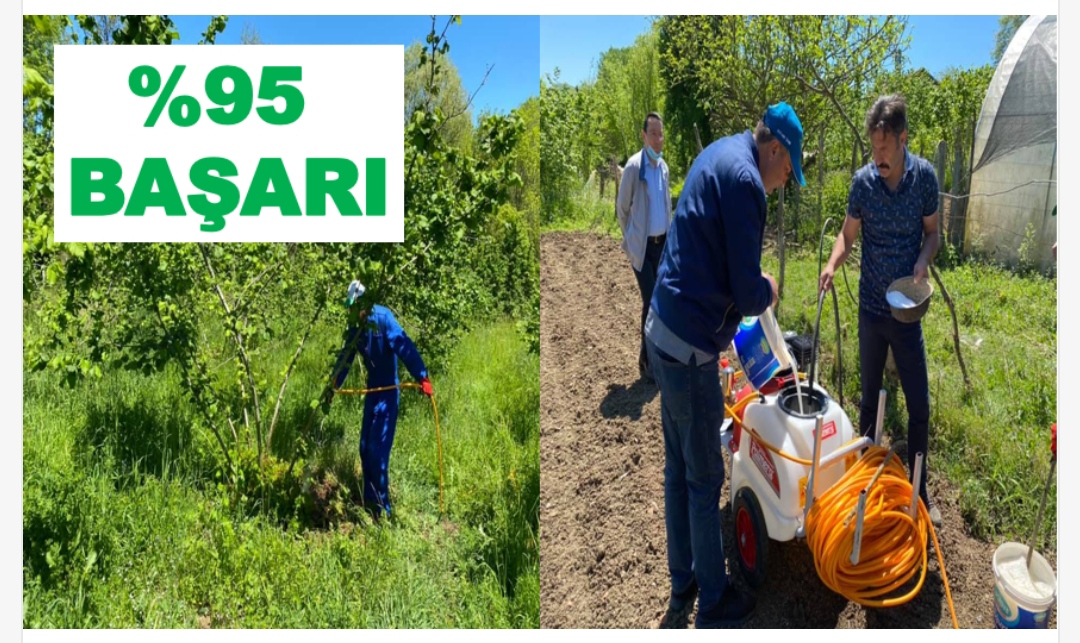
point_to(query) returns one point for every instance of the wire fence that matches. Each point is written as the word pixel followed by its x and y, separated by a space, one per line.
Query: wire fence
pixel 1012 189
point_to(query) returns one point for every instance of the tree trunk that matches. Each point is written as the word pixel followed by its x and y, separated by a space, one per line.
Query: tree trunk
pixel 821 180
pixel 780 226
pixel 955 326
pixel 292 365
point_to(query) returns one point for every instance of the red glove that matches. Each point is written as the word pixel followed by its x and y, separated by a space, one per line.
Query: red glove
pixel 425 385
pixel 1053 440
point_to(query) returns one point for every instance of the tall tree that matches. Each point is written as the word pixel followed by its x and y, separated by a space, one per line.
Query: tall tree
pixel 107 25
pixel 249 35
pixel 629 87
pixel 732 67
pixel 1007 26
pixel 444 92
pixel 570 144
pixel 526 197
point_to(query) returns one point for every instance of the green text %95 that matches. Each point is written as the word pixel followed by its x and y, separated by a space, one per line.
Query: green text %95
pixel 228 87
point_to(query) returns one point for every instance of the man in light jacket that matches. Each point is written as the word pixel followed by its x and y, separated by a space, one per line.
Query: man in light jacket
pixel 644 212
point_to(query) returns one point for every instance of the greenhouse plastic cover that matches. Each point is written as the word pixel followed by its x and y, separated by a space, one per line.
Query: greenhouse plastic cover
pixel 1021 100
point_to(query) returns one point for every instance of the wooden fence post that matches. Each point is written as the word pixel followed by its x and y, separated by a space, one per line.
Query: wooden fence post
pixel 821 179
pixel 796 193
pixel 956 229
pixel 939 167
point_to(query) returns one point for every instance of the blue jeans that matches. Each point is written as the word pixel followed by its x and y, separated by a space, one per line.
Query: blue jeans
pixel 876 335
pixel 646 280
pixel 691 413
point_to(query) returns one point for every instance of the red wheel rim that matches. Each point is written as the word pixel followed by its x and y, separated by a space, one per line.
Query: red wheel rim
pixel 744 531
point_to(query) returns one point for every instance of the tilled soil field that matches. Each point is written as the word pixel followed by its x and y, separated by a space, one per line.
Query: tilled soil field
pixel 603 562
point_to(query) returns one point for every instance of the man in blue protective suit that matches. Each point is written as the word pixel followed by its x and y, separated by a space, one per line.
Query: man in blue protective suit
pixel 376 336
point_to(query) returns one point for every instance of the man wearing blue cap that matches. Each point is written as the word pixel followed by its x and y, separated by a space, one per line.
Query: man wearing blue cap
pixel 894 202
pixel 376 336
pixel 710 278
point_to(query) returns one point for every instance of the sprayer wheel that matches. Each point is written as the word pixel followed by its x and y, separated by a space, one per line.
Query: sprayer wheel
pixel 751 537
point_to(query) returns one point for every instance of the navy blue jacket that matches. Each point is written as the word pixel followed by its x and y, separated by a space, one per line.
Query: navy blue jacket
pixel 710 274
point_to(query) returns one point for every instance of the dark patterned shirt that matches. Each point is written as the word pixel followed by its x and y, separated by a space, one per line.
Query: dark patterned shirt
pixel 892 226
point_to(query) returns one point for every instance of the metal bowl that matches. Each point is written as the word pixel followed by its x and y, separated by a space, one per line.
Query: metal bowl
pixel 908 300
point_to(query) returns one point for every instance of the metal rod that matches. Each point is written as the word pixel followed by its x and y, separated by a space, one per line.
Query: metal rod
pixel 818 422
pixel 860 514
pixel 1042 507
pixel 839 454
pixel 811 490
pixel 916 486
pixel 880 424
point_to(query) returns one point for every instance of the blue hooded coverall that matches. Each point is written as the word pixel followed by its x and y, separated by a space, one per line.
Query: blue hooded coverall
pixel 381 342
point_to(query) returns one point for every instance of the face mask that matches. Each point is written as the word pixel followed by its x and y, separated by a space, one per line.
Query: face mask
pixel 653 155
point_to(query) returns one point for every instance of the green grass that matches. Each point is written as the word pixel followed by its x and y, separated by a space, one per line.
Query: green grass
pixel 125 525
pixel 588 212
pixel 991 443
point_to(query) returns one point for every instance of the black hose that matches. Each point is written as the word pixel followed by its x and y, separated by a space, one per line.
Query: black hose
pixel 843 267
pixel 848 286
pixel 821 244
pixel 817 334
pixel 836 315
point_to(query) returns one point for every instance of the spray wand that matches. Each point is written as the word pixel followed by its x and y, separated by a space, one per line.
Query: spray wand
pixel 1046 490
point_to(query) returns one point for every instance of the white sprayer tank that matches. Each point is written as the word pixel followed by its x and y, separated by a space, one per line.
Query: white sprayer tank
pixel 779 483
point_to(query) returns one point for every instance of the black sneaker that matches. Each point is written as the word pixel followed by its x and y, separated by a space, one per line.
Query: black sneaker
pixel 684 600
pixel 732 610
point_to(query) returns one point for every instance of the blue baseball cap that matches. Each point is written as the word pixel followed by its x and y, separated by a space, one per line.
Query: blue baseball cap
pixel 785 126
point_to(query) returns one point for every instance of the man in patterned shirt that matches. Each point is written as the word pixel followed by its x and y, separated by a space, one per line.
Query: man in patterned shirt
pixel 893 200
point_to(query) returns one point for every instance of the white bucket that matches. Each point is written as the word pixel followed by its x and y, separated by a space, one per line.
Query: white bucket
pixel 1022 597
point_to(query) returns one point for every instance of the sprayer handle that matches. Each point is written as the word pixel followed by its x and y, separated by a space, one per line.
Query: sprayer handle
pixel 1053 441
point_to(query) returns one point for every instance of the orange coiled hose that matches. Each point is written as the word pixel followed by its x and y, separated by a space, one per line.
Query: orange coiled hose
pixel 893 547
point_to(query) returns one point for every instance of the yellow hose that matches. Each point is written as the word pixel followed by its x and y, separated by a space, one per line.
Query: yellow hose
pixel 738 406
pixel 434 409
pixel 893 545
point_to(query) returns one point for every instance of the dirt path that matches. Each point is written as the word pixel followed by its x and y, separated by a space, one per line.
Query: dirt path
pixel 603 561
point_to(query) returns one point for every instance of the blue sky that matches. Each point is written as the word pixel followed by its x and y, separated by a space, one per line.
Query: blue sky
pixel 522 48
pixel 511 43
pixel 574 43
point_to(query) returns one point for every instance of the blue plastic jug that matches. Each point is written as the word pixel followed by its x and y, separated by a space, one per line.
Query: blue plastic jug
pixel 761 349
